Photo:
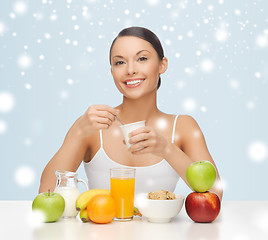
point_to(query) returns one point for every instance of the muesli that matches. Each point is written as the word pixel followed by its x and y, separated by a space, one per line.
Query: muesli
pixel 161 195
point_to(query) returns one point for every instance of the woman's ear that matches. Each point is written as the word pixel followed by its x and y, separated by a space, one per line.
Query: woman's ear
pixel 163 65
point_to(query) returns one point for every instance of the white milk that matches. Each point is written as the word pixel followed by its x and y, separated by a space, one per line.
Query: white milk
pixel 70 194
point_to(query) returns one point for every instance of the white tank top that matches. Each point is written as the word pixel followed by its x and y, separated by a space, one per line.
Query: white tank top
pixel 160 176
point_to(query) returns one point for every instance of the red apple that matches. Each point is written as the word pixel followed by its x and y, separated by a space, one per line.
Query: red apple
pixel 202 207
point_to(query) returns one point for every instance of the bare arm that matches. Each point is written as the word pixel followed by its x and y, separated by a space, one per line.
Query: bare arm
pixel 68 157
pixel 76 143
pixel 194 148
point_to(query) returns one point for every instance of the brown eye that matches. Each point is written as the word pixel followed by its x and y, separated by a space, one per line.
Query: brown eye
pixel 141 59
pixel 119 63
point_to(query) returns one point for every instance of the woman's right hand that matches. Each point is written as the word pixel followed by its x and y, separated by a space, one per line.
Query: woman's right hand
pixel 95 118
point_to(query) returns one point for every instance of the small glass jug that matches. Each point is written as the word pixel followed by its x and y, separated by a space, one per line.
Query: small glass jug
pixel 67 187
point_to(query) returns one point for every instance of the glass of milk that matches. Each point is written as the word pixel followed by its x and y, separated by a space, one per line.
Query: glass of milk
pixel 67 187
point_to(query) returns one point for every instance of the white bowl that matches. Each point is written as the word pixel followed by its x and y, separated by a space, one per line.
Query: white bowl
pixel 158 211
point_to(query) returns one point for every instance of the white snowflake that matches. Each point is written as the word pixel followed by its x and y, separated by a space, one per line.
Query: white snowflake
pixel 262 40
pixel 237 12
pixel 12 15
pixel 257 151
pixel 257 75
pixel 250 105
pixel 153 2
pixel 137 15
pixel 177 55
pixel 7 102
pixel 180 84
pixel 203 109
pixel 90 49
pixel 27 142
pixel 169 5
pixel 47 36
pixel 189 71
pixel 64 94
pixel 3 127
pixel 189 104
pixel 24 176
pixel 234 84
pixel 68 67
pixel 206 65
pixel 53 17
pixel 92 1
pixel 190 34
pixel 198 53
pixel 162 124
pixel 210 7
pixel 28 86
pixel 2 28
pixel 221 34
pixel 24 61
pixel 35 219
pixel 20 7
pixel 70 81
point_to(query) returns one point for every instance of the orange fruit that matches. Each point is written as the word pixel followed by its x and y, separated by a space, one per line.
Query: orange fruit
pixel 101 208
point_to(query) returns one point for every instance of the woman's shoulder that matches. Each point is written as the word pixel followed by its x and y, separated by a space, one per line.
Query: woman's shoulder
pixel 186 119
pixel 186 122
pixel 187 127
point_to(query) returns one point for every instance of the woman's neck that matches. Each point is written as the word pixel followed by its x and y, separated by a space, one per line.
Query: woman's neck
pixel 133 110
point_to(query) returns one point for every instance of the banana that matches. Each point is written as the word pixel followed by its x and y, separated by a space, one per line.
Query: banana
pixel 83 215
pixel 137 212
pixel 84 198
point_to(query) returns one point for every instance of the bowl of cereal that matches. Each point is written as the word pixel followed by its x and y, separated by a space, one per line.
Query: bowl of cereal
pixel 159 206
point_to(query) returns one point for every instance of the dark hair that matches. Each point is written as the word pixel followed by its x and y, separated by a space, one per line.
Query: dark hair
pixel 146 35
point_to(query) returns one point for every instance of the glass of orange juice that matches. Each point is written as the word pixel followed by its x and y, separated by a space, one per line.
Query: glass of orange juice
pixel 122 182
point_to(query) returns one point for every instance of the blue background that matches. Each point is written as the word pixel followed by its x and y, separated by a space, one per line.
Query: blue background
pixel 54 65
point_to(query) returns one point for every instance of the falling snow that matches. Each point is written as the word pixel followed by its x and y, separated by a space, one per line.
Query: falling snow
pixel 7 102
pixel 54 64
pixel 3 127
pixel 24 176
pixel 258 151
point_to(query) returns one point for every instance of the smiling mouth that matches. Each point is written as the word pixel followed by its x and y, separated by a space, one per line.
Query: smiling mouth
pixel 134 82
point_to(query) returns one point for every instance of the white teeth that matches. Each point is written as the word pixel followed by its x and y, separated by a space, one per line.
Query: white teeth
pixel 133 82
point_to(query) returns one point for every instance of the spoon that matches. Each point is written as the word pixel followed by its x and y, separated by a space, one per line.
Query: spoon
pixel 119 120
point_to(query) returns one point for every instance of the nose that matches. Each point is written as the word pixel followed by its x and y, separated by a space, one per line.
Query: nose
pixel 131 70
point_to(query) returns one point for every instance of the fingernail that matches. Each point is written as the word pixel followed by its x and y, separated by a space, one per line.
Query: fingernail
pixel 117 112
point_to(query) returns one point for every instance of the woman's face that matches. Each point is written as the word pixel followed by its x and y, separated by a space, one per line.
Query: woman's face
pixel 135 66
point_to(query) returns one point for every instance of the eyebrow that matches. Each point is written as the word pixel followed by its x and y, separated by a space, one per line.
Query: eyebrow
pixel 118 56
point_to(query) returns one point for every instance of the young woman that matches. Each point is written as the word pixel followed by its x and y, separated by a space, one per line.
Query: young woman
pixel 162 150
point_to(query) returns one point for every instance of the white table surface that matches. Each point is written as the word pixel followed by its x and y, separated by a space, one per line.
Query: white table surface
pixel 237 221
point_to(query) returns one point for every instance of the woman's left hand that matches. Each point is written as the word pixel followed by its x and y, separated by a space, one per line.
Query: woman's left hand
pixel 147 140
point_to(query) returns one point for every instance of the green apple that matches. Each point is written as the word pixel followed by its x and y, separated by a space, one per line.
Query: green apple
pixel 201 176
pixel 50 204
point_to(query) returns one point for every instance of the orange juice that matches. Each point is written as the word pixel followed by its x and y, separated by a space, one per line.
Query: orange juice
pixel 122 191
